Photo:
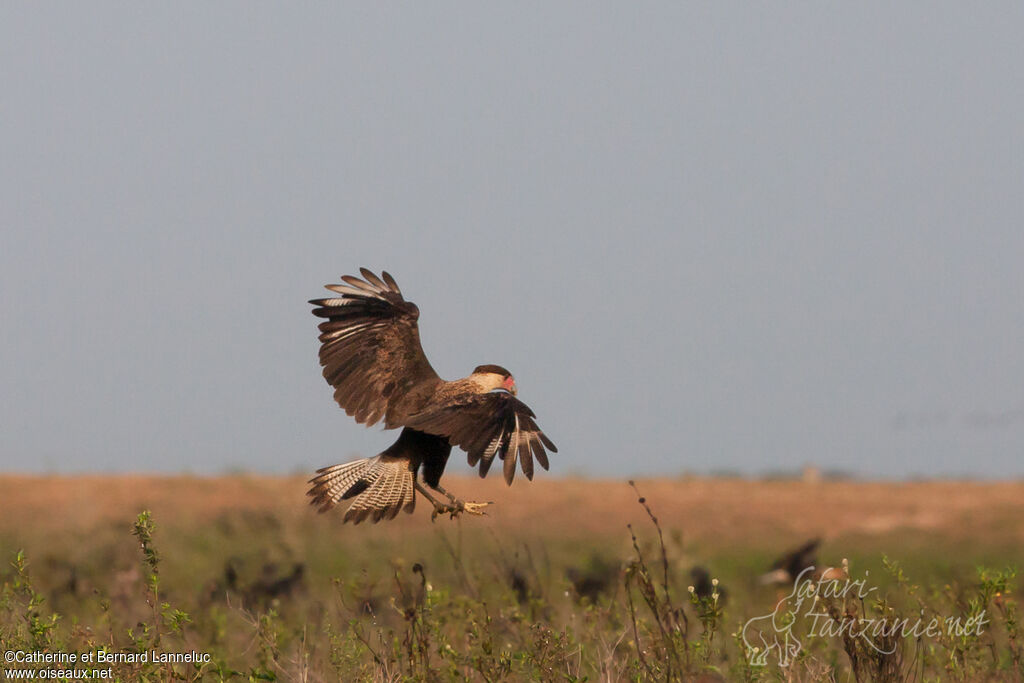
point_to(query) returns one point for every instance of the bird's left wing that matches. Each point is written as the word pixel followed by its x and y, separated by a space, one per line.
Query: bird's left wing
pixel 489 425
pixel 370 347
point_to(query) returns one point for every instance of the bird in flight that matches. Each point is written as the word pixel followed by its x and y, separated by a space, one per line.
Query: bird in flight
pixel 371 354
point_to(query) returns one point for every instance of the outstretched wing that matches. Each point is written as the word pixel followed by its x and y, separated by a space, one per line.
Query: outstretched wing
pixel 370 347
pixel 489 425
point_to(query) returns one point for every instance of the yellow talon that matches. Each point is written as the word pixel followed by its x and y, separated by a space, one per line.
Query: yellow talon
pixel 475 508
pixel 458 507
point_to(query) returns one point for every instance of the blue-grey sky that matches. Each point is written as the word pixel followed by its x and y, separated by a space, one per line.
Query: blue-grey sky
pixel 703 236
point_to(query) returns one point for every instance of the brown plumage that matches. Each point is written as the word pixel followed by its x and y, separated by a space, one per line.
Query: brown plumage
pixel 789 567
pixel 371 354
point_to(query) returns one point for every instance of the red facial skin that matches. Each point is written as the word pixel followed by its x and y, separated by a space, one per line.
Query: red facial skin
pixel 509 384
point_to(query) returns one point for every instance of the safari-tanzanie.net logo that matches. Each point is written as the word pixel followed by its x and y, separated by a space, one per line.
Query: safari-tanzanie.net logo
pixel 827 604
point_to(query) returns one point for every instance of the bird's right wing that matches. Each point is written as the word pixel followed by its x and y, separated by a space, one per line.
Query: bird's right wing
pixel 370 346
pixel 488 425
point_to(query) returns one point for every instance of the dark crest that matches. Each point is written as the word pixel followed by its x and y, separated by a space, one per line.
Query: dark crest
pixel 497 369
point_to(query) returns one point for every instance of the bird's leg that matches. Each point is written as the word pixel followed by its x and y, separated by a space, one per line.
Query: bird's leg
pixel 462 505
pixel 439 507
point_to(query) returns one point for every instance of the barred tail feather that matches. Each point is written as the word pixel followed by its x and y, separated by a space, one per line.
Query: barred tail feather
pixel 380 487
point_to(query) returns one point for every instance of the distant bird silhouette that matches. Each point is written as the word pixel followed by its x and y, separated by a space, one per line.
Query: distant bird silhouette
pixel 525 584
pixel 272 585
pixel 230 575
pixel 788 568
pixel 704 588
pixel 217 589
pixel 594 580
pixel 519 585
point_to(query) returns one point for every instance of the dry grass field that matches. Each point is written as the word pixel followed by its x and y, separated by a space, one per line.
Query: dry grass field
pixel 565 579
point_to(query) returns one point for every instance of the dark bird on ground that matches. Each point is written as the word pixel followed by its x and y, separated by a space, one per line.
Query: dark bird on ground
pixel 519 585
pixel 790 566
pixel 231 574
pixel 600 576
pixel 273 584
pixel 704 587
pixel 371 354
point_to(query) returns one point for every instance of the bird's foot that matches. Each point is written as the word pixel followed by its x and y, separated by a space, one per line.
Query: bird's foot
pixel 457 507
pixel 475 508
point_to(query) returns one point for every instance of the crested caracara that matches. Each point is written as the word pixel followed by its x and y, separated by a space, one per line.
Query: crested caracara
pixel 371 354
pixel 789 567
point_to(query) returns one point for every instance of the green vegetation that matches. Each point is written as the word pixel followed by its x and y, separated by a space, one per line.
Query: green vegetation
pixel 263 596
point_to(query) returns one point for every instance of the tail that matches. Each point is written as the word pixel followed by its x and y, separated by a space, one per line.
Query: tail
pixel 382 486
